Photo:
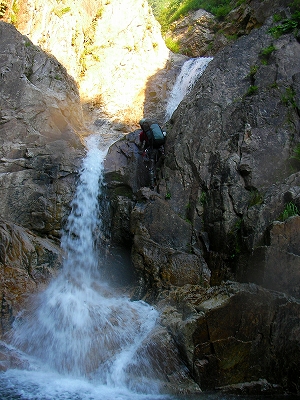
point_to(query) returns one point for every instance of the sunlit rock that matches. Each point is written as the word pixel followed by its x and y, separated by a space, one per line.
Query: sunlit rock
pixel 111 48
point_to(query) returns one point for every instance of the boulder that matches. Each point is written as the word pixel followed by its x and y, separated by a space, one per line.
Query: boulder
pixel 235 333
pixel 27 263
pixel 277 266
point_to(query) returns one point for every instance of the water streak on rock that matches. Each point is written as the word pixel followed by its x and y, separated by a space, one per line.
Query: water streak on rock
pixel 190 71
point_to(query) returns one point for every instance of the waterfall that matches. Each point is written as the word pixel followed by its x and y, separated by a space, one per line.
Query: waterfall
pixel 78 329
pixel 190 72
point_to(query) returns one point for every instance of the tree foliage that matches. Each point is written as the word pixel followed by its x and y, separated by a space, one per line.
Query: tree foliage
pixel 168 11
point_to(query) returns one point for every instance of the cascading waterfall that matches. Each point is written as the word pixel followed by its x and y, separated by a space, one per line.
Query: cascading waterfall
pixel 190 71
pixel 79 340
pixel 78 328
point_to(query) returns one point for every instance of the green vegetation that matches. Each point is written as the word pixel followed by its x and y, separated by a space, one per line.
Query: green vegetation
pixel 231 38
pixel 295 5
pixel 265 54
pixel 99 13
pixel 252 90
pixel 3 8
pixel 287 25
pixel 289 211
pixel 277 17
pixel 59 12
pixel 253 70
pixel 169 11
pixel 14 12
pixel 256 198
pixel 235 239
pixel 172 45
pixel 267 50
pixel 289 97
pixel 203 198
pixel 296 155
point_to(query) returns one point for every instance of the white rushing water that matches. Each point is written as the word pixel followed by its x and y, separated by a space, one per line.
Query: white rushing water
pixel 190 71
pixel 80 340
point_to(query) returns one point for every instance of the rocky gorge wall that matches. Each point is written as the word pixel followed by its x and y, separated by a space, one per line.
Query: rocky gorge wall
pixel 41 127
pixel 110 48
pixel 210 245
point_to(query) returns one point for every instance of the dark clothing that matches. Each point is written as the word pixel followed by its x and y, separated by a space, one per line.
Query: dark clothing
pixel 153 154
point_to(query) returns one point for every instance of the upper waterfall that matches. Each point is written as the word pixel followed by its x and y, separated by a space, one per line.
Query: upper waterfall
pixel 190 72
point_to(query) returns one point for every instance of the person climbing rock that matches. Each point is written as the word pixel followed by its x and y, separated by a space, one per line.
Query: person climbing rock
pixel 152 140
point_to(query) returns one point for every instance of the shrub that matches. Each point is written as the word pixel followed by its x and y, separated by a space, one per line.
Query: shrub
pixel 267 50
pixel 172 45
pixel 289 97
pixel 253 70
pixel 203 198
pixel 265 54
pixel 287 25
pixel 290 210
pixel 169 11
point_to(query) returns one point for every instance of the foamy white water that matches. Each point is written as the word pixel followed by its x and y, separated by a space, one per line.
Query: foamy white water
pixel 191 70
pixel 47 385
pixel 80 339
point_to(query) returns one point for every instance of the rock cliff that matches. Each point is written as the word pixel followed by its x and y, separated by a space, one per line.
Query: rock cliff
pixel 41 127
pixel 200 33
pixel 110 48
pixel 217 215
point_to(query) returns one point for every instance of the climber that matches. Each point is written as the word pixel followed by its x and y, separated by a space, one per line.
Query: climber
pixel 152 140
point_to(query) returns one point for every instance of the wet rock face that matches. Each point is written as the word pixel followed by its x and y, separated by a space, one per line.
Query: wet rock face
pixel 27 261
pixel 229 149
pixel 163 247
pixel 229 171
pixel 230 334
pixel 216 215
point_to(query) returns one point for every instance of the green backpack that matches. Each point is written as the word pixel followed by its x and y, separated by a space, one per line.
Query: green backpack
pixel 154 134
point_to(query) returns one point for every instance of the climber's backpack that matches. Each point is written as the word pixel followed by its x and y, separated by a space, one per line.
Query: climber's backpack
pixel 154 133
